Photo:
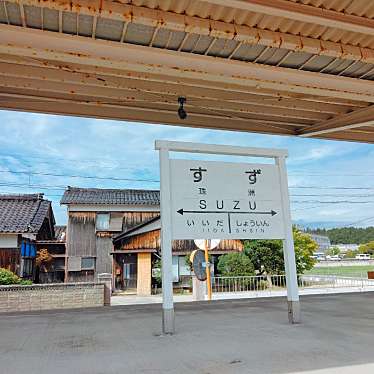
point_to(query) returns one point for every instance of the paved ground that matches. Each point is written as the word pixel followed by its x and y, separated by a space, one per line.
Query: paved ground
pixel 157 299
pixel 240 336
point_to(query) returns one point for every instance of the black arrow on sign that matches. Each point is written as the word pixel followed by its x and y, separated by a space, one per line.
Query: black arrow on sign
pixel 182 211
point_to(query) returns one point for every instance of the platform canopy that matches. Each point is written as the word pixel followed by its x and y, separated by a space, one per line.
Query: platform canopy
pixel 300 67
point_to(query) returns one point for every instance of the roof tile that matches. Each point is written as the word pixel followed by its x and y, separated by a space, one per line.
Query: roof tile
pixel 22 213
pixel 74 195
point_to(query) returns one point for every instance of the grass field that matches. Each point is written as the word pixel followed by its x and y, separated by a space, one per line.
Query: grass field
pixel 348 271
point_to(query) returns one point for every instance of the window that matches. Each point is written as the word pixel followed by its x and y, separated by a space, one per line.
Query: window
pixel 59 263
pixel 88 263
pixel 102 221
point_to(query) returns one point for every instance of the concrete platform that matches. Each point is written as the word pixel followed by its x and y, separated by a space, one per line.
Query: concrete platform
pixel 157 299
pixel 236 336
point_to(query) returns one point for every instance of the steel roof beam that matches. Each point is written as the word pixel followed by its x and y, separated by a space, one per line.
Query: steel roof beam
pixel 303 13
pixel 92 109
pixel 135 86
pixel 349 121
pixel 43 89
pixel 216 29
pixel 192 87
pixel 176 65
pixel 108 88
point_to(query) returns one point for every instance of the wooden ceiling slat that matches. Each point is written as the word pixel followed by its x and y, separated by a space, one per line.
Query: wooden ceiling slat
pixel 146 115
pixel 349 136
pixel 33 94
pixel 191 87
pixel 79 84
pixel 78 75
pixel 358 118
pixel 177 65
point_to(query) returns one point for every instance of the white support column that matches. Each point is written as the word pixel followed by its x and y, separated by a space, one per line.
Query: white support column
pixel 288 247
pixel 166 253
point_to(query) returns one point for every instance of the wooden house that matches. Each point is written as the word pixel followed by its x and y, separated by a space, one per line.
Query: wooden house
pixel 117 231
pixel 95 216
pixel 24 219
pixel 136 250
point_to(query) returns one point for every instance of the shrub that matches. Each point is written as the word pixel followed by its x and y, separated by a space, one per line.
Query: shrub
pixel 8 277
pixel 235 264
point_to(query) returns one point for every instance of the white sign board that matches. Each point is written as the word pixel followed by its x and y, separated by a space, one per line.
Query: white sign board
pixel 225 200
pixel 221 200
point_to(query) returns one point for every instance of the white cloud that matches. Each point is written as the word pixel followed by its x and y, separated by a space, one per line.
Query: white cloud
pixel 76 146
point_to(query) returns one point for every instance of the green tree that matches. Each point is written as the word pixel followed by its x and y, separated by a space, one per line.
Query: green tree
pixel 333 251
pixel 347 235
pixel 235 264
pixel 350 254
pixel 305 247
pixel 367 248
pixel 267 255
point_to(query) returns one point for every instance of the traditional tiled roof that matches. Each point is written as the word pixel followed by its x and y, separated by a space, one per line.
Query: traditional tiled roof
pixel 74 195
pixel 23 213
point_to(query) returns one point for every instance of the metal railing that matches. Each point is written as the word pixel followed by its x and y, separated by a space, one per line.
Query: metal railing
pixel 278 282
pixel 335 281
pixel 247 283
pixel 263 284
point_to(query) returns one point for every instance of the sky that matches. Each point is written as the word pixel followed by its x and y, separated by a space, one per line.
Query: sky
pixel 331 183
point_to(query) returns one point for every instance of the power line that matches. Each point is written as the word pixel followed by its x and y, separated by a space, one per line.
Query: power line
pixel 356 222
pixel 306 208
pixel 36 186
pixel 64 159
pixel 362 220
pixel 91 163
pixel 79 176
pixel 46 195
pixel 333 188
pixel 331 175
pixel 320 202
pixel 332 202
pixel 63 188
pixel 158 181
pixel 333 195
pixel 96 162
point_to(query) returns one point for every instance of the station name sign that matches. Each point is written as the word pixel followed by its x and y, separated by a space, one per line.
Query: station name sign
pixel 225 200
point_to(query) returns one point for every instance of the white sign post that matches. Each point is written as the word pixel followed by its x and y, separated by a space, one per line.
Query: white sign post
pixel 224 200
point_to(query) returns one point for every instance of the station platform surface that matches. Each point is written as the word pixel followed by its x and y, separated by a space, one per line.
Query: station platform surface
pixel 225 336
pixel 130 299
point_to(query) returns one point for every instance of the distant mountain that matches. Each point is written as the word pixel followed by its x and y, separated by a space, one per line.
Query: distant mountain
pixel 346 235
pixel 320 225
